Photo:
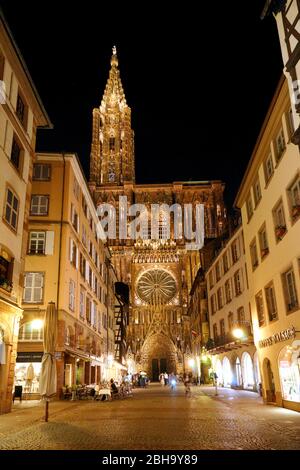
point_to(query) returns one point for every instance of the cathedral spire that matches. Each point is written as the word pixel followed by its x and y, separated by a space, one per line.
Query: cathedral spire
pixel 112 152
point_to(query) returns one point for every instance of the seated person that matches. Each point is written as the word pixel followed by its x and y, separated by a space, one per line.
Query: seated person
pixel 113 387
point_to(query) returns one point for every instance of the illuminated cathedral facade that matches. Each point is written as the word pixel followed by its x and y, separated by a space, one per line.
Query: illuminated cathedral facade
pixel 159 270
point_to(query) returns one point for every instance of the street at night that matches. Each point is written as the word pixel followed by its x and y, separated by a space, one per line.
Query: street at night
pixel 155 418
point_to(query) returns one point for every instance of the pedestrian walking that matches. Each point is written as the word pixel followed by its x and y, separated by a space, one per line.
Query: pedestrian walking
pixel 187 386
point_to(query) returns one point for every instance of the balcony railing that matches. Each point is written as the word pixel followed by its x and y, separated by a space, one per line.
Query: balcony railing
pixel 228 338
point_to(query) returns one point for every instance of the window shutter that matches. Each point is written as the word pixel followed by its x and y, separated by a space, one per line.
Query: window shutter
pixel 49 247
pixel 87 269
pixel 71 249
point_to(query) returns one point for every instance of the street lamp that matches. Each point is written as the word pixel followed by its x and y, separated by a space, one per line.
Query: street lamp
pixel 241 330
pixel 191 362
pixel 37 324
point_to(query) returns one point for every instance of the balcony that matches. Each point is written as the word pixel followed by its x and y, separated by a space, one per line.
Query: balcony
pixel 228 341
pixel 6 284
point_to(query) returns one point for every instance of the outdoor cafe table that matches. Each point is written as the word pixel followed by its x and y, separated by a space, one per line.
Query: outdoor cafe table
pixel 104 392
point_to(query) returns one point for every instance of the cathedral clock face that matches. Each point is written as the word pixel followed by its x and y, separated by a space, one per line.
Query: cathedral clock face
pixel 156 286
pixel 111 176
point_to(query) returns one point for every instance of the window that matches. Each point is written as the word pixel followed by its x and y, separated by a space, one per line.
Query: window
pixel 268 168
pixel 241 316
pixel 99 322
pixel 22 110
pixel 237 283
pixel 235 251
pixel 16 154
pixel 84 205
pixel 218 274
pixel 39 205
pixel 263 242
pixel 88 310
pixel 289 288
pixel 213 303
pixel 253 254
pixel 271 302
pixel 279 221
pixel 2 62
pixel 11 209
pixel 82 265
pixel 215 331
pixel 41 172
pixel 290 119
pixel 74 218
pixel 94 315
pixel 228 293
pixel 280 145
pixel 257 191
pixel 225 262
pixel 37 242
pixel 249 206
pixel 28 333
pixel 72 295
pixel 33 287
pixel 230 321
pixel 73 253
pixel 81 304
pixel 294 196
pixel 111 144
pixel 220 298
pixel 6 271
pixel 222 327
pixel 260 308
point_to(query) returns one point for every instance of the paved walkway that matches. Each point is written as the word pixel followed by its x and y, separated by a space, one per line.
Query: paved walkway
pixel 154 418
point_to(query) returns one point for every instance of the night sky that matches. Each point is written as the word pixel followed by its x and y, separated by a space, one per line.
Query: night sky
pixel 199 82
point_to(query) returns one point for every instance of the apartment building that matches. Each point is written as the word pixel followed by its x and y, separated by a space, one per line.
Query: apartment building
pixel 21 114
pixel 66 263
pixel 231 345
pixel 269 198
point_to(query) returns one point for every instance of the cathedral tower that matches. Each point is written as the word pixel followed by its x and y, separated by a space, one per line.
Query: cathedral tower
pixel 112 152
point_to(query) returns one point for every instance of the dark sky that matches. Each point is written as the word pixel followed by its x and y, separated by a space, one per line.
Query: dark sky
pixel 198 81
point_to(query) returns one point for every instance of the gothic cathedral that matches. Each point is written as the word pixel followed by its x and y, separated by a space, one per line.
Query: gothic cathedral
pixel 159 270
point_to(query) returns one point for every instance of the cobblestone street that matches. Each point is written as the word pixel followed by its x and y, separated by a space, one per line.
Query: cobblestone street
pixel 154 418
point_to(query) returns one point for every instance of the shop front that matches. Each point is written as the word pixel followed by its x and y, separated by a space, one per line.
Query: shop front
pixel 289 373
pixel 280 365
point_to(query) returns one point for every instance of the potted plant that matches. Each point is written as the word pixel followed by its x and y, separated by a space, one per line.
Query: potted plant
pixel 5 283
pixel 264 252
pixel 280 231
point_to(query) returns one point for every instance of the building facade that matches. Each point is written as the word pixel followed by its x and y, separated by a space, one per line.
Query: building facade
pixel 157 267
pixel 67 263
pixel 234 357
pixel 269 197
pixel 21 113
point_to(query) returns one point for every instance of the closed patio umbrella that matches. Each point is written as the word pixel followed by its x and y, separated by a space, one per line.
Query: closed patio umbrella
pixel 48 369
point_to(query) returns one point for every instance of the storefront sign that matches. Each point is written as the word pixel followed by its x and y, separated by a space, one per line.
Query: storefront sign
pixel 278 337
pixel 29 356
